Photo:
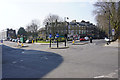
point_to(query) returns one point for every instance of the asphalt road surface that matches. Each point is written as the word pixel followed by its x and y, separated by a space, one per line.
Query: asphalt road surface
pixel 92 60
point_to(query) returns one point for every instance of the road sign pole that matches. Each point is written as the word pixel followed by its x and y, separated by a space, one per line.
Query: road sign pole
pixel 65 42
pixel 50 39
pixel 50 42
pixel 57 35
pixel 57 42
pixel 113 33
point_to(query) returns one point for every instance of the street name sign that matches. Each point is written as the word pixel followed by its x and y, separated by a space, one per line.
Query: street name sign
pixel 113 31
pixel 50 35
pixel 57 35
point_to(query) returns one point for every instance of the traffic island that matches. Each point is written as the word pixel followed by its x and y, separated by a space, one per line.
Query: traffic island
pixel 45 43
pixel 19 46
pixel 80 43
pixel 59 47
pixel 113 44
pixel 24 46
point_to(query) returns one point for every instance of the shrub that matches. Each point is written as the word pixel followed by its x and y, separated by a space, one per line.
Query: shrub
pixel 41 39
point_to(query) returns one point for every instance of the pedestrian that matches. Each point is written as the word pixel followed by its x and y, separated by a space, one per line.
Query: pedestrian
pixel 36 40
pixel 90 39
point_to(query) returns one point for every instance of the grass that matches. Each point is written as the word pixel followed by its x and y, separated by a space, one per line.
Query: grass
pixel 43 41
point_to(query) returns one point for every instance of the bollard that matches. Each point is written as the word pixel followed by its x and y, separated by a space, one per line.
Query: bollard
pixel 65 42
pixel 18 43
pixel 73 41
pixel 107 43
pixel 21 44
pixel 90 39
pixel 32 41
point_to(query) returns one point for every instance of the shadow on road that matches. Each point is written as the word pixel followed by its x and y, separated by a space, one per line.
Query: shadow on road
pixel 24 64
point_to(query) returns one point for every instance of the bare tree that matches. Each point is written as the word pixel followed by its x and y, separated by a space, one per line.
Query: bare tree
pixel 51 18
pixel 32 28
pixel 105 11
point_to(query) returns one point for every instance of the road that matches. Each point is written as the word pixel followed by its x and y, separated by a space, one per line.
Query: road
pixel 92 60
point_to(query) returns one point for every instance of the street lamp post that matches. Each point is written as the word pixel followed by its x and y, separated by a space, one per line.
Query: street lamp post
pixel 66 35
pixel 46 29
pixel 67 24
pixel 109 27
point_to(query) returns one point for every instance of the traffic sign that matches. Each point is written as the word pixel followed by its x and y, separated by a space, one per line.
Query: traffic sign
pixel 57 35
pixel 113 31
pixel 50 35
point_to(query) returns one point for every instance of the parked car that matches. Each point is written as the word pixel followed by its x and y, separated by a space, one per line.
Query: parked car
pixel 82 39
pixel 28 41
pixel 16 40
pixel 106 39
pixel 4 39
pixel 86 38
pixel 13 40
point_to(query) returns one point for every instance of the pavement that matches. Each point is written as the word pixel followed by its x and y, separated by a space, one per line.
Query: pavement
pixel 92 60
pixel 0 61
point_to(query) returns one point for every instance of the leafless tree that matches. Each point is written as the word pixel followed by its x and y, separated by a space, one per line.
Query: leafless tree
pixel 51 18
pixel 103 11
pixel 32 28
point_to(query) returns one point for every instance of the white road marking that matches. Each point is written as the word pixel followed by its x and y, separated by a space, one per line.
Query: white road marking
pixel 14 62
pixel 100 76
pixel 111 75
pixel 46 58
pixel 21 60
pixel 23 52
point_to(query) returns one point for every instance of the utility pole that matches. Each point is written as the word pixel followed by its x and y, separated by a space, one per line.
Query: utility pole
pixel 46 26
pixel 109 34
pixel 109 27
pixel 67 25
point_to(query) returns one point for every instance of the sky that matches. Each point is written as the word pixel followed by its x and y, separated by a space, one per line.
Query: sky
pixel 19 13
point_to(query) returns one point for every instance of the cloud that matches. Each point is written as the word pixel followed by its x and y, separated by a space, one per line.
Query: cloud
pixel 58 1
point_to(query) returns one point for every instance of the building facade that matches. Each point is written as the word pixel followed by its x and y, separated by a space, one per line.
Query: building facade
pixel 3 34
pixel 7 34
pixel 82 29
pixel 72 29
